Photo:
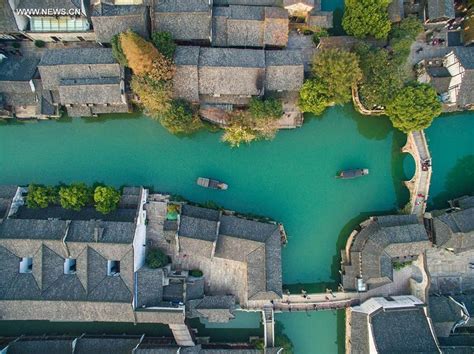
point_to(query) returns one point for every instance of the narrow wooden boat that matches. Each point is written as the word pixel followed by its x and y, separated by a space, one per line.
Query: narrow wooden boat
pixel 349 174
pixel 211 183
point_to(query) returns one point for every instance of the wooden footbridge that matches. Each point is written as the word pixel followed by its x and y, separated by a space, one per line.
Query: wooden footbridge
pixel 419 185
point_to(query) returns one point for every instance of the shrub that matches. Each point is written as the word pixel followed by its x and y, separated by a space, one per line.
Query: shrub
pixel 39 43
pixel 16 45
pixel 180 118
pixel 195 273
pixel 117 51
pixel 269 108
pixel 155 258
pixel 40 196
pixel 163 41
pixel 75 196
pixel 414 108
pixel 320 33
pixel 106 199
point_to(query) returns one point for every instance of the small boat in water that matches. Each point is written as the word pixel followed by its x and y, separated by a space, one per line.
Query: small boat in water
pixel 348 174
pixel 211 183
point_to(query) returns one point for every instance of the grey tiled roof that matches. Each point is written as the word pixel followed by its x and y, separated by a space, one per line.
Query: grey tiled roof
pixel 91 90
pixel 7 193
pixel 49 4
pixel 381 240
pixel 101 231
pixel 455 230
pixel 7 19
pixel 182 6
pixel 359 333
pixel 72 56
pixel 102 345
pixel 185 20
pixel 285 70
pixel 32 229
pixel 249 26
pixel 438 9
pixel 198 212
pixel 149 284
pixel 109 20
pixel 18 69
pixel 402 331
pixel 232 57
pixel 41 345
pixel 219 308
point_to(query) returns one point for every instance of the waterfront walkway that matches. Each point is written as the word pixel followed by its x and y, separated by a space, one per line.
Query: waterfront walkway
pixel 419 185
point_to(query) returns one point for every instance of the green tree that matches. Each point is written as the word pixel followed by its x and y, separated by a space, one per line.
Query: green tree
pixel 367 18
pixel 155 258
pixel 381 78
pixel 338 70
pixel 106 199
pixel 410 27
pixel 75 196
pixel 163 41
pixel 180 118
pixel 40 196
pixel 314 97
pixel 117 51
pixel 414 108
pixel 271 108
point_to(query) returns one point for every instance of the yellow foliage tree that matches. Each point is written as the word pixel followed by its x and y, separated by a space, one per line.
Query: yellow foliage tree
pixel 144 59
pixel 155 97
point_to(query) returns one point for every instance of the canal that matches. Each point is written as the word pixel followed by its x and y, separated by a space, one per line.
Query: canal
pixel 290 179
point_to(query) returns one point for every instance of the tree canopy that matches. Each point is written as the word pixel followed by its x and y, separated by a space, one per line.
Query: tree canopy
pixel 338 70
pixel 41 196
pixel 106 199
pixel 414 108
pixel 334 71
pixel 180 118
pixel 155 258
pixel 367 18
pixel 163 41
pixel 75 196
pixel 314 97
pixel 144 59
pixel 155 96
pixel 381 76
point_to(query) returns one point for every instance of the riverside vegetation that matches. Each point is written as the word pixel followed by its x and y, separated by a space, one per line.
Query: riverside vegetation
pixel 153 69
pixel 382 75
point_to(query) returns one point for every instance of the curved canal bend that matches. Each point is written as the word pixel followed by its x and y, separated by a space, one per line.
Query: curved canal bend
pixel 290 179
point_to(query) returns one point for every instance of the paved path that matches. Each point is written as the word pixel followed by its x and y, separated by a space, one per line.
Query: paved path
pixel 419 185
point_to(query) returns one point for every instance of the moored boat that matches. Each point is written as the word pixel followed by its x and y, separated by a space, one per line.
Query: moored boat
pixel 349 174
pixel 211 183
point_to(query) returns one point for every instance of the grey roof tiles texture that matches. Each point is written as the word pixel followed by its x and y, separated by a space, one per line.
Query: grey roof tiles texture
pixel 403 331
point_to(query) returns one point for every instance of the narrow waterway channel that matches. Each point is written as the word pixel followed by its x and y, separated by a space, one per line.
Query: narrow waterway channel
pixel 290 179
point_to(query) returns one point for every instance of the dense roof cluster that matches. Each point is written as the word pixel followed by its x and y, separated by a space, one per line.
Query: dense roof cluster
pixel 381 241
pixel 210 234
